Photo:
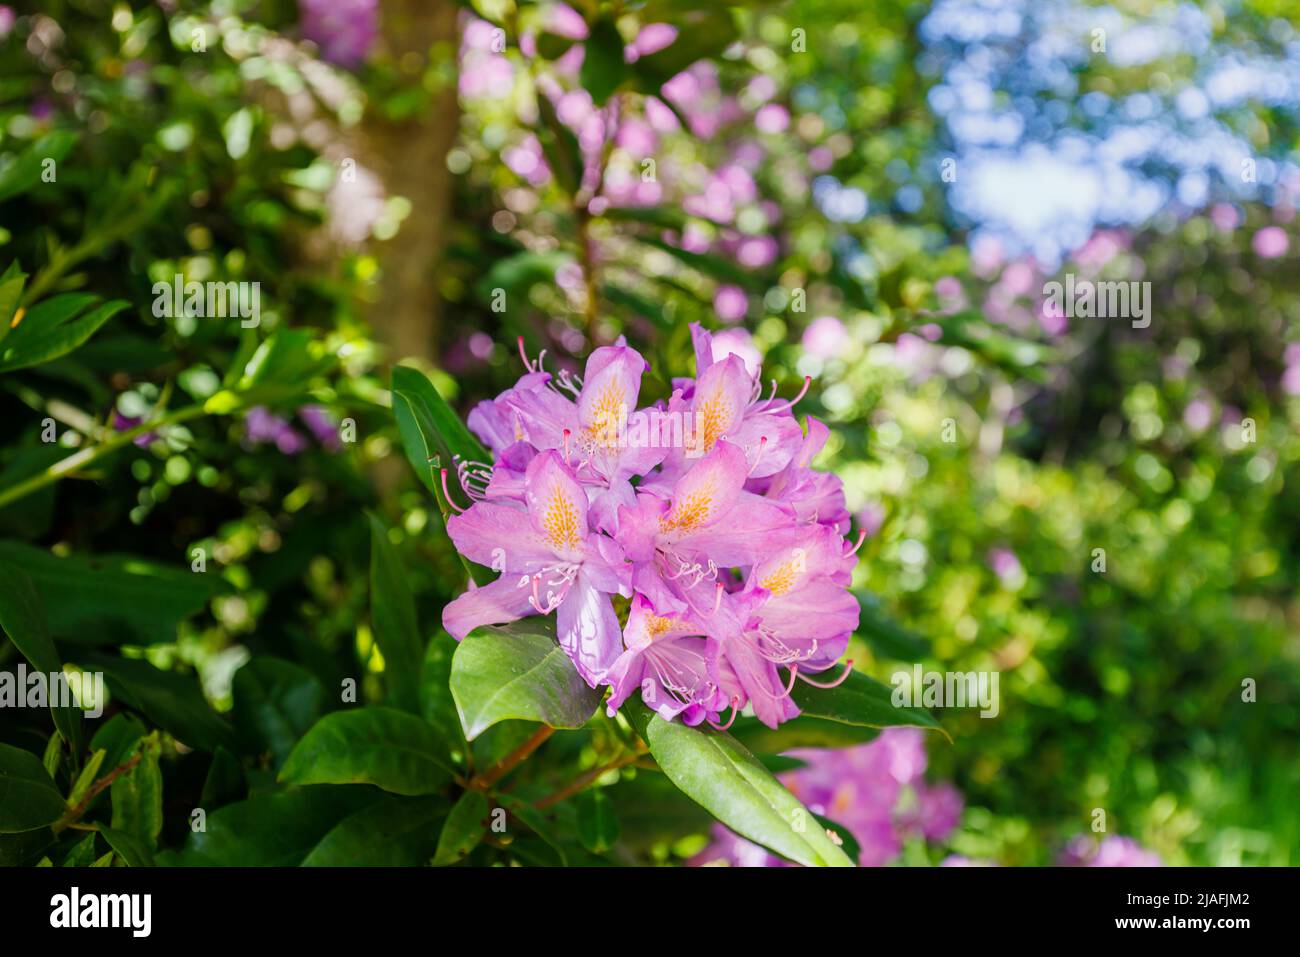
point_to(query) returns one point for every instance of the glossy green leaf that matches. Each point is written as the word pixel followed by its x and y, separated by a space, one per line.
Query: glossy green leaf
pixel 171 701
pixel 393 621
pixel 716 771
pixel 801 732
pixel 275 702
pixel 276 829
pixel 22 616
pixel 28 798
pixel 436 703
pixel 517 671
pixel 224 783
pixel 861 701
pixel 48 330
pixel 433 438
pixel 117 737
pixel 392 832
pixel 390 749
pixel 133 851
pixel 598 827
pixel 463 830
pixel 138 795
pixel 111 599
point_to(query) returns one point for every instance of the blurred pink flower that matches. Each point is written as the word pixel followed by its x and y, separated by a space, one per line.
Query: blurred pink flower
pixel 772 118
pixel 1225 217
pixel 1198 415
pixel 345 30
pixel 1271 242
pixel 825 337
pixel 564 21
pixel 756 252
pixel 652 38
pixel 730 303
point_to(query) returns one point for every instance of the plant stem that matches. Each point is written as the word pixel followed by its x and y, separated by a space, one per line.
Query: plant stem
pixel 73 815
pixel 93 453
pixel 587 778
pixel 520 754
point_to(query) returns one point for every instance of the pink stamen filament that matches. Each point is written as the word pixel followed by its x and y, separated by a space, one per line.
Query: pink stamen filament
pixel 807 384
pixel 848 666
pixel 735 710
pixel 762 447
pixel 447 494
pixel 862 537
pixel 794 676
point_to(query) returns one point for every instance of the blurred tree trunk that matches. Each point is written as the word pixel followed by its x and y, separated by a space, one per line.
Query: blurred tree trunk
pixel 410 157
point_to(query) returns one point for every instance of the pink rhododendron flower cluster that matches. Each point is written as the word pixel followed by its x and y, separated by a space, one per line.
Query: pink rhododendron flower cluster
pixel 702 510
pixel 875 790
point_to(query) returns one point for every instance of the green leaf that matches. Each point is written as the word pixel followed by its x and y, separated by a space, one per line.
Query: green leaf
pixel 716 771
pixel 651 810
pixel 82 853
pixel 860 701
pixel 434 437
pixel 703 33
pixel 559 146
pixel 603 68
pixel 886 635
pixel 453 438
pixel 800 732
pixel 518 671
pixel 28 798
pixel 86 778
pixel 393 621
pixel 551 46
pixel 171 701
pixel 711 265
pixel 137 796
pixel 390 749
pixel 847 842
pixel 225 781
pixel 275 702
pixel 277 829
pixel 288 359
pixel 111 599
pixel 11 294
pixel 393 832
pixel 25 848
pixel 436 703
pixel 22 616
pixel 24 172
pixel 463 829
pixel 597 822
pixel 117 737
pixel 133 851
pixel 48 330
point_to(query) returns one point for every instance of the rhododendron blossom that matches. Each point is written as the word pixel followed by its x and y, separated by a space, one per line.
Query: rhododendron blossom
pixel 728 544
